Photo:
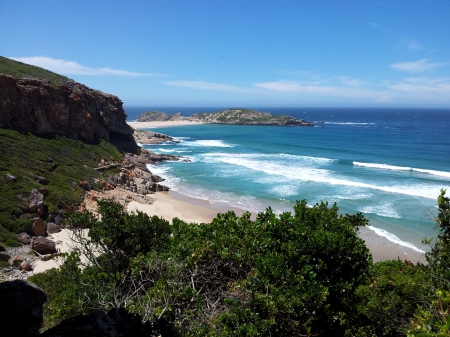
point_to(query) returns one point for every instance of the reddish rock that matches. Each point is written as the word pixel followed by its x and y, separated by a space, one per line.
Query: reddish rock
pixel 67 108
pixel 43 191
pixel 53 228
pixel 38 227
pixel 42 180
pixel 36 202
pixel 85 185
pixel 26 266
pixel 43 245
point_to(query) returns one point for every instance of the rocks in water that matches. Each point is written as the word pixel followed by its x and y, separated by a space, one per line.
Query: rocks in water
pixel 38 227
pixel 150 137
pixel 43 245
pixel 53 228
pixel 36 202
pixel 21 307
pixel 10 177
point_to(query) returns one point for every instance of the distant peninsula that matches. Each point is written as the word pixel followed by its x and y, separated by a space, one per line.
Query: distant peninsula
pixel 228 116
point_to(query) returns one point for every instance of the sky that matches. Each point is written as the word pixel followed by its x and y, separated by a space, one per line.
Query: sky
pixel 246 53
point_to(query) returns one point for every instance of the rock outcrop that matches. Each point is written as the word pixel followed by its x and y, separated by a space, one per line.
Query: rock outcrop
pixel 67 108
pixel 150 137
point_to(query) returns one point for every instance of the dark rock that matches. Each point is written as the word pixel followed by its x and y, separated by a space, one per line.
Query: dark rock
pixel 36 202
pixel 24 238
pixel 42 180
pixel 53 228
pixel 58 219
pixel 38 227
pixel 118 322
pixel 10 177
pixel 43 191
pixel 85 185
pixel 43 245
pixel 21 308
pixel 4 257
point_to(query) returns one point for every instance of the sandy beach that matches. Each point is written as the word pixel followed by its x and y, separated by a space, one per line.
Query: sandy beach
pixel 173 204
pixel 145 125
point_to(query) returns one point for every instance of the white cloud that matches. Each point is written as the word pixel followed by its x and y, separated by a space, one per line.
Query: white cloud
pixel 308 88
pixel 415 67
pixel 410 43
pixel 73 68
pixel 419 85
pixel 206 86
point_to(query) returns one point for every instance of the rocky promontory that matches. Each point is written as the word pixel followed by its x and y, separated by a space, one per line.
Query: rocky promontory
pixel 228 116
pixel 65 108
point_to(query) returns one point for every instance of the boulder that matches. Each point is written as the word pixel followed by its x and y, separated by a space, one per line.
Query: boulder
pixel 42 180
pixel 24 238
pixel 85 185
pixel 38 227
pixel 53 228
pixel 4 257
pixel 117 322
pixel 43 191
pixel 43 245
pixel 21 308
pixel 10 177
pixel 36 202
pixel 27 266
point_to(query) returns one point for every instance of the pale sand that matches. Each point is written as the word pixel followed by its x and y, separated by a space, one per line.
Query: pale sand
pixel 64 247
pixel 144 125
pixel 173 204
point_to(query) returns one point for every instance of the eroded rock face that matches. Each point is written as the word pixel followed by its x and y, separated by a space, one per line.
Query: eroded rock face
pixel 69 109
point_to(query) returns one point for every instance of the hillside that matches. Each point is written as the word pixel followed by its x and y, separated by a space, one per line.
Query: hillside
pixel 228 116
pixel 21 70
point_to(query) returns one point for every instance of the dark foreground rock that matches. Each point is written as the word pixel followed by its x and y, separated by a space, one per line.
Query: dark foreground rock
pixel 21 308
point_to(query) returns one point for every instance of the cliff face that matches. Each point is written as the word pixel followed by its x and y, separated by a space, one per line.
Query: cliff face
pixel 68 108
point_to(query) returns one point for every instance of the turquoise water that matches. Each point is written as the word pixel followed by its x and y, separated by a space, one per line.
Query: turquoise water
pixel 389 164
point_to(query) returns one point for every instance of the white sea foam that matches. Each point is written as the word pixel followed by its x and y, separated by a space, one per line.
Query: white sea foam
pixel 391 237
pixel 384 210
pixel 209 143
pixel 402 168
pixel 349 123
pixel 139 144
pixel 355 196
pixel 178 150
pixel 308 169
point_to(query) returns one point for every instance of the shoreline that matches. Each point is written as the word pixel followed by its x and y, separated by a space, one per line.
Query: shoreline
pixel 145 125
pixel 174 204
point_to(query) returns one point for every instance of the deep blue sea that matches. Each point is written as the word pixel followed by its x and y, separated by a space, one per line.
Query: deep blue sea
pixel 389 164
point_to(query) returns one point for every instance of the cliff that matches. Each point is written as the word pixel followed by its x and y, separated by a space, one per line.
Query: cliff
pixel 229 116
pixel 63 107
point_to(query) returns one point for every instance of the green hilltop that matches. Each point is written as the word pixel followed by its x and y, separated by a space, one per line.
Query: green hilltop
pixel 21 70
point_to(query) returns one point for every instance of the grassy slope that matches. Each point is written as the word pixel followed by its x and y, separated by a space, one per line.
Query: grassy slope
pixel 21 70
pixel 61 160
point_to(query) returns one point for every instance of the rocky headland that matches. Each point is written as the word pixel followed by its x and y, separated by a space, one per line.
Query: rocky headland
pixel 229 116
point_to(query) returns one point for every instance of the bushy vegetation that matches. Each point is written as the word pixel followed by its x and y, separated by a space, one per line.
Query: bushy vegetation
pixel 63 161
pixel 304 273
pixel 21 70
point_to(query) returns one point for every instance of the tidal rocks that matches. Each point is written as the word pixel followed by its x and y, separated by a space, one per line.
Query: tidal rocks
pixel 150 137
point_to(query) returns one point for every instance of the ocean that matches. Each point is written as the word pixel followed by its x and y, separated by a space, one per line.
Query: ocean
pixel 389 164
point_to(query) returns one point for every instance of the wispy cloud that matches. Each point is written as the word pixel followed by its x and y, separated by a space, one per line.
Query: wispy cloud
pixel 73 68
pixel 416 67
pixel 410 43
pixel 419 85
pixel 206 86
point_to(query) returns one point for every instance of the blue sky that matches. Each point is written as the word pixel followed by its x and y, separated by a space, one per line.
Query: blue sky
pixel 240 53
